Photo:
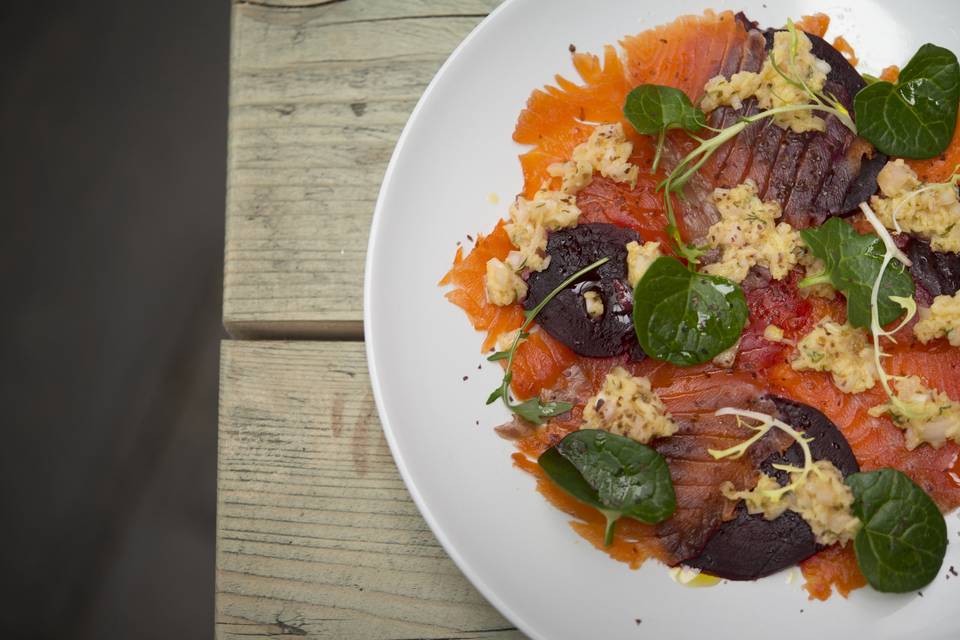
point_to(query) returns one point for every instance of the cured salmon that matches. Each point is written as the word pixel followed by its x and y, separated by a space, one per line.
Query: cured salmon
pixel 692 395
pixel 469 292
pixel 812 176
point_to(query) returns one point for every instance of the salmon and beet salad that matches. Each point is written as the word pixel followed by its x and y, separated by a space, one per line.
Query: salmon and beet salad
pixel 726 304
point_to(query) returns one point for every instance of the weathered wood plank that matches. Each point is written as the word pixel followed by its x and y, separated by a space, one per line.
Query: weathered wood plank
pixel 316 533
pixel 319 92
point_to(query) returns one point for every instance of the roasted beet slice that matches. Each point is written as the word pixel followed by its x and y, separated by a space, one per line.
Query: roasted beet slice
pixel 865 184
pixel 828 443
pixel 565 317
pixel 938 273
pixel 843 81
pixel 854 165
pixel 842 74
pixel 812 175
pixel 750 546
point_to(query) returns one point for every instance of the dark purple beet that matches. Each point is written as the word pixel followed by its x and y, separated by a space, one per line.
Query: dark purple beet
pixel 938 273
pixel 565 317
pixel 865 184
pixel 828 442
pixel 843 81
pixel 750 546
pixel 833 172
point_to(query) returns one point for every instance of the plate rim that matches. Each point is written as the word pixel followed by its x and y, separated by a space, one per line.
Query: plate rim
pixel 468 568
pixel 449 548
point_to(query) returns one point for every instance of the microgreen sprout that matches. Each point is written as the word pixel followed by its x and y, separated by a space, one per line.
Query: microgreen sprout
pixel 533 410
pixel 693 161
pixel 826 100
pixel 689 165
pixel 765 424
pixel 916 410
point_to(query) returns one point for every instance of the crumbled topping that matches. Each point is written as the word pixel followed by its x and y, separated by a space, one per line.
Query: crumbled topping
pixel 842 350
pixel 824 500
pixel 503 285
pixel 773 333
pixel 594 304
pixel 748 235
pixel 627 406
pixel 821 498
pixel 761 499
pixel 771 89
pixel 607 151
pixel 727 357
pixel 529 222
pixel 897 178
pixel 720 91
pixel 931 211
pixel 941 320
pixel 925 414
pixel 639 259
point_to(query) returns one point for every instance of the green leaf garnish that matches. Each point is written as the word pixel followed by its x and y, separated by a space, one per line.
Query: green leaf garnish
pixel 907 409
pixel 853 263
pixel 654 109
pixel 685 317
pixel 617 475
pixel 915 117
pixel 533 410
pixel 903 540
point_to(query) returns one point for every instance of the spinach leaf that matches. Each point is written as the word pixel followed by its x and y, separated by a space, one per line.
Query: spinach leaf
pixel 617 475
pixel 653 109
pixel 685 317
pixel 901 544
pixel 915 117
pixel 853 263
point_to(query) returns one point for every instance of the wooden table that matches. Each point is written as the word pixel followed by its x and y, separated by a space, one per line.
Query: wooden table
pixel 316 533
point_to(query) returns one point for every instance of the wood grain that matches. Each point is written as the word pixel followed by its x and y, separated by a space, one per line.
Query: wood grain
pixel 316 533
pixel 319 92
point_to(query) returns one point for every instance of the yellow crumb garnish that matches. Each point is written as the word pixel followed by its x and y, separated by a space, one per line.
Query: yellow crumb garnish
pixel 627 406
pixel 840 349
pixel 749 235
pixel 773 333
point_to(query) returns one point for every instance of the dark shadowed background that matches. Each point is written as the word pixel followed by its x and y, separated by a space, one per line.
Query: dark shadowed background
pixel 113 129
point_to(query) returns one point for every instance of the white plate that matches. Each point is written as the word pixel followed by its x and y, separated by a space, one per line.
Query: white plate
pixel 517 549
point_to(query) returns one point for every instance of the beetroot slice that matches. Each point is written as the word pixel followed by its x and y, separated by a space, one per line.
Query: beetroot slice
pixel 750 546
pixel 938 273
pixel 565 317
pixel 817 175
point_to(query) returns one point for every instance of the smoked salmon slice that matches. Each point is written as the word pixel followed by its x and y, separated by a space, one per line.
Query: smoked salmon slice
pixel 812 176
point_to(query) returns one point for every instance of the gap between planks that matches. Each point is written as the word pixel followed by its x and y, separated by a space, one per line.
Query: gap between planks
pixel 303 330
